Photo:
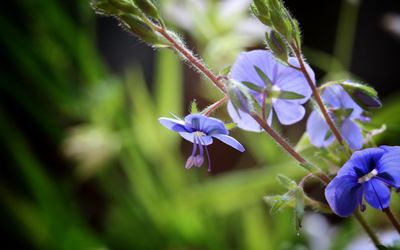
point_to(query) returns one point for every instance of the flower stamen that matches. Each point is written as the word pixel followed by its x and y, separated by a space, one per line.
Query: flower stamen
pixel 368 176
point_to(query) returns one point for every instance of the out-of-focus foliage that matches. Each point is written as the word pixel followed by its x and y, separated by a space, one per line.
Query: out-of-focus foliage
pixel 106 129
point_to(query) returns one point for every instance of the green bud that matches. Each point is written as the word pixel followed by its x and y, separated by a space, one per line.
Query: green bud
pixel 148 8
pixel 278 46
pixel 362 94
pixel 263 17
pixel 104 7
pixel 125 6
pixel 142 30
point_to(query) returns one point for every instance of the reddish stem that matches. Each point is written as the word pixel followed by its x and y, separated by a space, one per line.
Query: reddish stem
pixel 215 105
pixel 190 57
pixel 317 96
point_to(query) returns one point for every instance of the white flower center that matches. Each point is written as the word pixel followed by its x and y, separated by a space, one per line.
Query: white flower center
pixel 199 134
pixel 368 176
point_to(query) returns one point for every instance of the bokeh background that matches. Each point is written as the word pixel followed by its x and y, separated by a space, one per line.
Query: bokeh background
pixel 86 165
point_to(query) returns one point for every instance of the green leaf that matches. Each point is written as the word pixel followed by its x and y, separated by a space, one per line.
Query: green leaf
pixel 230 126
pixel 253 86
pixel 280 202
pixel 290 95
pixel 193 107
pixel 299 207
pixel 286 182
pixel 264 77
pixel 225 71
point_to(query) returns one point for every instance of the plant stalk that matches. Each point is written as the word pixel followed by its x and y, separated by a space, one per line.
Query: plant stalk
pixel 392 218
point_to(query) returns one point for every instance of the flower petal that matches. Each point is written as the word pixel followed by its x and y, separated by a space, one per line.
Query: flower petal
pixel 245 121
pixel 243 69
pixel 361 162
pixel 230 141
pixel 289 79
pixel 205 140
pixel 205 124
pixel 317 130
pixel 343 194
pixel 389 166
pixel 336 97
pixel 377 194
pixel 288 112
pixel 352 134
pixel 173 124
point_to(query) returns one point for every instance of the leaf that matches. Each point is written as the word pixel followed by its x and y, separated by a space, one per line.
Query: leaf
pixel 290 95
pixel 225 71
pixel 286 182
pixel 299 207
pixel 230 126
pixel 264 77
pixel 253 86
pixel 280 202
pixel 193 107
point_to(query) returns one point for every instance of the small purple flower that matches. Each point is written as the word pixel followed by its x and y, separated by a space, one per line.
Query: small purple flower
pixel 200 130
pixel 369 173
pixel 282 88
pixel 344 112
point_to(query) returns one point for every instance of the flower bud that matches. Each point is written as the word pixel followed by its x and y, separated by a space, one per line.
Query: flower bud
pixel 278 46
pixel 363 95
pixel 240 96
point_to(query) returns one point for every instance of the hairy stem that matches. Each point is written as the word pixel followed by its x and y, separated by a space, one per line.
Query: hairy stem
pixel 278 139
pixel 392 219
pixel 215 105
pixel 193 60
pixel 317 96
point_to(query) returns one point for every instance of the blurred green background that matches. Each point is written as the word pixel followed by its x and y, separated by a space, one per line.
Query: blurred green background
pixel 86 165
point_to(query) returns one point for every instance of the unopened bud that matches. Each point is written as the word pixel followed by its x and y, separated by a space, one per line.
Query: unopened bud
pixel 277 45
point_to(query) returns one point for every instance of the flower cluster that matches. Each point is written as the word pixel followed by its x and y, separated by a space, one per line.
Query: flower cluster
pixel 368 174
pixel 200 130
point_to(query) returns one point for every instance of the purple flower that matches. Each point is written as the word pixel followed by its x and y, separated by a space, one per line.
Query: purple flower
pixel 344 112
pixel 200 130
pixel 369 173
pixel 281 88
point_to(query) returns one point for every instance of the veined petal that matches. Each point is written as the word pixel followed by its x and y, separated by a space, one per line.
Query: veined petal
pixel 288 112
pixel 207 125
pixel 361 162
pixel 173 124
pixel 336 97
pixel 377 194
pixel 245 121
pixel 389 166
pixel 289 79
pixel 352 134
pixel 317 130
pixel 343 194
pixel 243 69
pixel 230 141
pixel 205 140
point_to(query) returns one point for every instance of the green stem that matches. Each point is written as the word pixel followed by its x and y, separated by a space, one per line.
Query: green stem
pixel 367 229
